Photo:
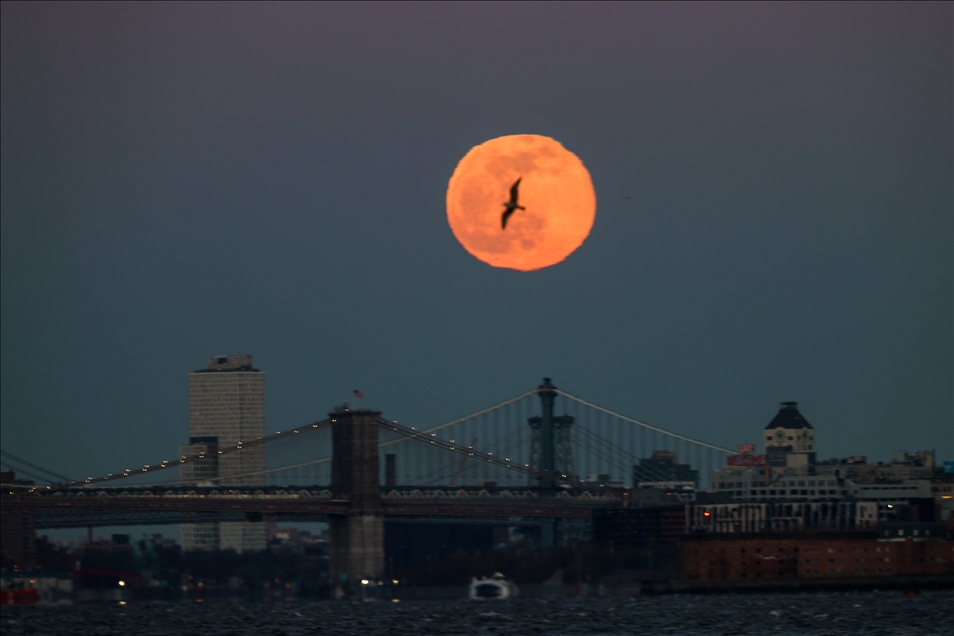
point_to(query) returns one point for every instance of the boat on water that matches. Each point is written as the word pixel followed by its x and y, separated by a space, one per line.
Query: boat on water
pixel 492 587
pixel 19 591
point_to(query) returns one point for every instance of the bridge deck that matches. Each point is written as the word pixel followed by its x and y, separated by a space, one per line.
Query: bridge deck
pixel 108 507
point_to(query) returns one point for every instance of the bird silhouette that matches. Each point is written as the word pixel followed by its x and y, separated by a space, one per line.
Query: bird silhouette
pixel 511 205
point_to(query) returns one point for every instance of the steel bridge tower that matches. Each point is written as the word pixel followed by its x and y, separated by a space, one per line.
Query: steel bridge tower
pixel 551 446
pixel 551 450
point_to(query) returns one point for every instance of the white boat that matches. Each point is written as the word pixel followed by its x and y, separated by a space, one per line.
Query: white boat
pixel 493 587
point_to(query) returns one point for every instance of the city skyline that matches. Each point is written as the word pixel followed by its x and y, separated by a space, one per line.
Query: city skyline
pixel 773 220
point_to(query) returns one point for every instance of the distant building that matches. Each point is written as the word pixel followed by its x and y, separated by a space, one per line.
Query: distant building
pixel 778 516
pixel 852 555
pixel 17 530
pixel 201 471
pixel 226 407
pixel 789 439
pixel 794 492
pixel 751 484
pixel 662 470
pixel 620 527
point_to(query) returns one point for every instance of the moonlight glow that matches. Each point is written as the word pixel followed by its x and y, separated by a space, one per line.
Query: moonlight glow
pixel 555 189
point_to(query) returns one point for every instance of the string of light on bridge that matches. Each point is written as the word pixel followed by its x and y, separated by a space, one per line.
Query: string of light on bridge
pixel 406 433
pixel 188 459
pixel 392 442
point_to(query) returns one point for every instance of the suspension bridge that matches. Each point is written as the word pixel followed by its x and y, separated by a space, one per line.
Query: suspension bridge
pixel 540 456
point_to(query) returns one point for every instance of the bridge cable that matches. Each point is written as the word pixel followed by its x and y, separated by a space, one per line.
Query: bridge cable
pixel 607 455
pixel 643 424
pixel 22 472
pixel 194 458
pixel 462 419
pixel 487 457
pixel 323 460
pixel 13 457
pixel 600 454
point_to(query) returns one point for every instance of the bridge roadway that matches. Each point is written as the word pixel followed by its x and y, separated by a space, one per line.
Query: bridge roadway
pixel 85 507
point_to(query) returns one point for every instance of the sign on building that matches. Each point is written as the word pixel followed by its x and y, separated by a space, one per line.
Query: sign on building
pixel 745 460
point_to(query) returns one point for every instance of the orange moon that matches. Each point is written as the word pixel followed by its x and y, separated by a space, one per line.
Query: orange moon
pixel 555 188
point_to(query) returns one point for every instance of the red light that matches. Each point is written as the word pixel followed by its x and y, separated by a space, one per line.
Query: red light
pixel 706 513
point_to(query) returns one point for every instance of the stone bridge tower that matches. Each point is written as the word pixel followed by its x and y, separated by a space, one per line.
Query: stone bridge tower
pixel 357 537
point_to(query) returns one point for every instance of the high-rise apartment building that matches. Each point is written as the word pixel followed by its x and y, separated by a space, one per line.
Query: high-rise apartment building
pixel 226 406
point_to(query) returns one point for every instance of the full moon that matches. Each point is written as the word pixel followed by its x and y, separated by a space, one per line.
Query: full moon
pixel 555 191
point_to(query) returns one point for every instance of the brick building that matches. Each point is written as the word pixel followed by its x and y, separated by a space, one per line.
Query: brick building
pixel 858 555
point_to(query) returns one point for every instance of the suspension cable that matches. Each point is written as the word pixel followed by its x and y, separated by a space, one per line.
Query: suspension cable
pixel 643 424
pixel 13 457
pixel 426 438
pixel 194 458
pixel 461 419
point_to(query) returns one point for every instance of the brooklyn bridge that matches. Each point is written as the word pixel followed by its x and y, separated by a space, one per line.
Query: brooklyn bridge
pixel 542 458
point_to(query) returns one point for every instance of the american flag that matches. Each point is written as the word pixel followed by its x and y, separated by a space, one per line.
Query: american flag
pixel 746 448
pixel 358 394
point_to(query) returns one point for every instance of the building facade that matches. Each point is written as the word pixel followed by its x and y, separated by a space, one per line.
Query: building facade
pixel 781 516
pixel 663 470
pixel 857 555
pixel 226 407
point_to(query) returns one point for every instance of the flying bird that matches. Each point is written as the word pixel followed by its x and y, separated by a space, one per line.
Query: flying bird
pixel 511 205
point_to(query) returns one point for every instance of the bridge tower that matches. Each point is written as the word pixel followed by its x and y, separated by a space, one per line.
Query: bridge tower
pixel 357 537
pixel 551 447
pixel 550 450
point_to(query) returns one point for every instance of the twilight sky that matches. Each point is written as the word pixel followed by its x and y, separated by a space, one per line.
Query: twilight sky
pixel 186 180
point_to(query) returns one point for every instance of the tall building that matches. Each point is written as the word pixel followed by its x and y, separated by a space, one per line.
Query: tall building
pixel 226 406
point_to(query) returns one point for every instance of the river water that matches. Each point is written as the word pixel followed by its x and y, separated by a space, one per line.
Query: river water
pixel 868 613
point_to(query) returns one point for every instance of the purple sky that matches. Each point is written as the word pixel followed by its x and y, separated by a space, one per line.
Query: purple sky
pixel 185 180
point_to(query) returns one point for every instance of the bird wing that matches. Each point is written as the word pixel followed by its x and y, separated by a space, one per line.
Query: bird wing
pixel 513 190
pixel 504 217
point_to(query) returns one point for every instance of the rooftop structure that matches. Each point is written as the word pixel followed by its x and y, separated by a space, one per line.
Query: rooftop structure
pixel 789 439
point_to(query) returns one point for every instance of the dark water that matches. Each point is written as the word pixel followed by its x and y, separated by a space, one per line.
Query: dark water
pixel 868 613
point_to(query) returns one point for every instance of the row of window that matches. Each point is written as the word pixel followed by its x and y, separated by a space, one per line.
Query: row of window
pixel 840 550
pixel 780 492
pixel 854 571
pixel 887 488
pixel 879 560
pixel 801 483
